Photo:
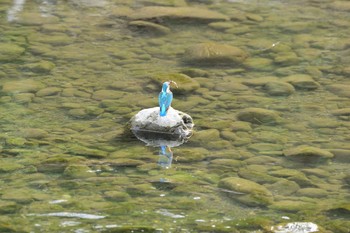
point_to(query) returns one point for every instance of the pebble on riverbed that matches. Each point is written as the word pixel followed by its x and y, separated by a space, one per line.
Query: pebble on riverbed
pixel 305 152
pixel 246 191
pixel 212 54
pixel 258 116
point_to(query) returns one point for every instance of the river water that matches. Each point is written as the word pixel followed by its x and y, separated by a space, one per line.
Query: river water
pixel 266 83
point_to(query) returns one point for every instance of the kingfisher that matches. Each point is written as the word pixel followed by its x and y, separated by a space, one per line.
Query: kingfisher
pixel 165 97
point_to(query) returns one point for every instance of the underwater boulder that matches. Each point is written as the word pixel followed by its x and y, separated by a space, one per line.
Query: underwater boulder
pixel 211 53
pixel 246 191
pixel 188 13
pixel 307 154
pixel 258 116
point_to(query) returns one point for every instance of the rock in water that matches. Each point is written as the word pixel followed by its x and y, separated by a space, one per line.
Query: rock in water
pixel 148 126
pixel 214 54
pixel 296 227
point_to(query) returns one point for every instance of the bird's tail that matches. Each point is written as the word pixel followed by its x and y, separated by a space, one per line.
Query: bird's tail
pixel 162 110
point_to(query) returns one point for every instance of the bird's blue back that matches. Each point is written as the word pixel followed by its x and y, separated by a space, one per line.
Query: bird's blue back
pixel 165 99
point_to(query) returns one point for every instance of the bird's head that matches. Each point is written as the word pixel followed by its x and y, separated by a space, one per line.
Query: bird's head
pixel 166 85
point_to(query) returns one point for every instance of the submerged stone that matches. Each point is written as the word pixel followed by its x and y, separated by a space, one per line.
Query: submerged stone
pixel 191 154
pixel 40 67
pixel 211 53
pixel 85 151
pixel 246 191
pixel 107 94
pixel 341 112
pixel 185 83
pixel 283 187
pixel 49 91
pixel 342 90
pixel 151 12
pixel 302 81
pixel 340 5
pixel 312 192
pixel 22 86
pixel 291 174
pixel 258 116
pixel 78 171
pixel 279 88
pixel 150 27
pixel 292 206
pixel 34 133
pixel 23 98
pixel 10 52
pixel 257 176
pixel 259 63
pixel 305 152
pixel 9 166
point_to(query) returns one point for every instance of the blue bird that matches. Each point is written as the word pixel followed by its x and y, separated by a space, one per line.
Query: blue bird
pixel 165 97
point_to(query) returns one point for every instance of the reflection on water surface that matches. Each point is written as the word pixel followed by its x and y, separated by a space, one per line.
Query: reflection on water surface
pixel 266 83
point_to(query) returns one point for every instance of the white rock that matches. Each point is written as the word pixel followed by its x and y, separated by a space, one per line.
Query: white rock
pixel 151 116
pixel 297 227
pixel 172 129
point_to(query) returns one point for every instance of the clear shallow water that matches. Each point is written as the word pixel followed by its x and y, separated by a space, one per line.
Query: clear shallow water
pixel 73 73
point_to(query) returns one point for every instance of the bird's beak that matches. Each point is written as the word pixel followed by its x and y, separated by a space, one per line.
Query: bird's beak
pixel 174 83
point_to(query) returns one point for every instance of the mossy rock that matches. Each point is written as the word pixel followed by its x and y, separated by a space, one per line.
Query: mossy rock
pixel 126 162
pixel 185 83
pixel 34 133
pixel 291 174
pixel 149 27
pixel 342 90
pixel 9 166
pixel 302 81
pixel 277 88
pixel 313 193
pixel 116 196
pixel 252 174
pixel 23 98
pixel 107 94
pixel 10 52
pixel 48 91
pixel 248 192
pixel 78 171
pixel 283 187
pixel 56 164
pixel 211 53
pixel 139 189
pixel 162 12
pixel 17 141
pixel 134 229
pixel 292 205
pixel 341 209
pixel 206 136
pixel 22 86
pixel 258 116
pixel 262 64
pixel 40 67
pixel 8 207
pixel 85 151
pixel 307 154
pixel 226 164
pixel 191 154
pixel 241 126
pixel 254 223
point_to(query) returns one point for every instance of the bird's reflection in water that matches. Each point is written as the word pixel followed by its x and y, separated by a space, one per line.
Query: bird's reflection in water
pixel 163 141
pixel 165 156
